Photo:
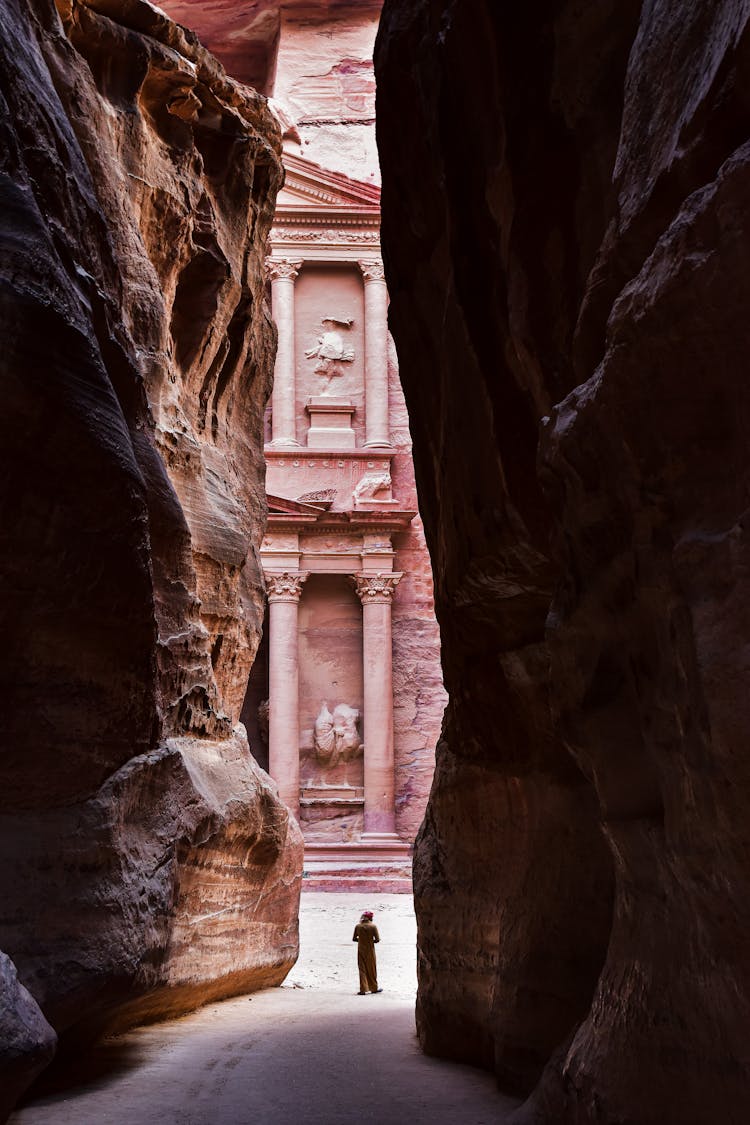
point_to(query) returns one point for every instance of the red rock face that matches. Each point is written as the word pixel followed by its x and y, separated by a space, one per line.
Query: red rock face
pixel 568 297
pixel 138 185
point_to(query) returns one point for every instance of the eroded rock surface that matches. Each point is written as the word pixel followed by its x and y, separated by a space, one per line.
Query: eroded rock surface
pixel 314 57
pixel 27 1042
pixel 565 227
pixel 146 862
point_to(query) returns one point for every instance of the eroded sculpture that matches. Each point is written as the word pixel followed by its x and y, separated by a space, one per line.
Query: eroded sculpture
pixel 336 736
pixel 372 485
pixel 330 351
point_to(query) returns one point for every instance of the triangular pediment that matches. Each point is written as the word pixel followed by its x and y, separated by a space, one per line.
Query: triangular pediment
pixel 309 187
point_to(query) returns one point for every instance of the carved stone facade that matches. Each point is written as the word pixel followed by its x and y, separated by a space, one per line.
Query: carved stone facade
pixel 350 664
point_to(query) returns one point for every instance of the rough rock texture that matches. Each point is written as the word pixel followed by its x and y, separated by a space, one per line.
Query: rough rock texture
pixel 419 697
pixel 320 77
pixel 146 863
pixel 27 1042
pixel 569 297
pixel 313 57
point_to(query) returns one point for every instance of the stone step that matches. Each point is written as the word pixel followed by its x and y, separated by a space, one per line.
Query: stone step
pixel 347 882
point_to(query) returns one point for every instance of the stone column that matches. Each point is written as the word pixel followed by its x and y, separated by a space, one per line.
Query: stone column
pixel 283 684
pixel 376 592
pixel 377 428
pixel 282 273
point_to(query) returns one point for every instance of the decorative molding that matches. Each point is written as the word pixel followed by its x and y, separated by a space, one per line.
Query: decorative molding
pixel 372 269
pixel 313 182
pixel 304 188
pixel 284 587
pixel 282 267
pixel 375 587
pixel 334 237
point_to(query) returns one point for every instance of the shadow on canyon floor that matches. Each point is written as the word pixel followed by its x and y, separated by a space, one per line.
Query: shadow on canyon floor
pixel 311 1050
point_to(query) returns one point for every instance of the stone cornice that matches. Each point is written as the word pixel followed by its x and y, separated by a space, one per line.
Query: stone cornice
pixel 343 523
pixel 304 453
pixel 313 179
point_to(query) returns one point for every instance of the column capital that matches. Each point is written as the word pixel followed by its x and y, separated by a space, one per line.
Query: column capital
pixel 282 267
pixel 284 587
pixel 375 587
pixel 372 269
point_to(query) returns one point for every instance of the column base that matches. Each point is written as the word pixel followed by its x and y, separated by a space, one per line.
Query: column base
pixel 284 443
pixel 382 838
pixel 378 823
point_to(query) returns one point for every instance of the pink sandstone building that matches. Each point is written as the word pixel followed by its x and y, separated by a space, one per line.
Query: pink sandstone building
pixel 345 700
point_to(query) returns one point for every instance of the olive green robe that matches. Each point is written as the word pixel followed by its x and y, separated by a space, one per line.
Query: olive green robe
pixel 365 935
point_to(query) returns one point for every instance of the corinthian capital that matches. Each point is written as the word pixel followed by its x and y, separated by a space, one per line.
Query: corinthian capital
pixel 284 587
pixel 282 267
pixel 372 269
pixel 375 587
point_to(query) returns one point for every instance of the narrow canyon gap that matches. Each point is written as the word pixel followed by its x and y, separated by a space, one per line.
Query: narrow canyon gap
pixel 565 201
pixel 344 555
pixel 150 867
pixel 565 227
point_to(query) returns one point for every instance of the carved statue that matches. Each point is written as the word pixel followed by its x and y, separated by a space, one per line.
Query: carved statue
pixel 335 736
pixel 371 484
pixel 330 351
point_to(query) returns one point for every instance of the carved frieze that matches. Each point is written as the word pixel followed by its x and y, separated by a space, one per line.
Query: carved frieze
pixel 328 234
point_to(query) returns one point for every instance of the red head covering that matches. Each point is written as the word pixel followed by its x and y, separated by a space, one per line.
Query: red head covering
pixel 367 914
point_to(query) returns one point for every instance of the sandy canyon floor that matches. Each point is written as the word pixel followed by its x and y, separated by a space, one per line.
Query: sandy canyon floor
pixel 311 1051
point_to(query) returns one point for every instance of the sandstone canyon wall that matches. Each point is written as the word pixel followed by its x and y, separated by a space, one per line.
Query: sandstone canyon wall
pixel 565 225
pixel 314 59
pixel 146 862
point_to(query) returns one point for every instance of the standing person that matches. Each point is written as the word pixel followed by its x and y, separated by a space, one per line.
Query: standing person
pixel 366 935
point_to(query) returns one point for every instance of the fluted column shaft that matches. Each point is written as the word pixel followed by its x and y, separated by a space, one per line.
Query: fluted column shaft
pixel 377 422
pixel 284 401
pixel 375 593
pixel 283 684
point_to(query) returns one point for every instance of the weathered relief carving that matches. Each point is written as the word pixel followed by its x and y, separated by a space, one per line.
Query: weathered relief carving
pixel 323 495
pixel 297 234
pixel 336 736
pixel 371 485
pixel 330 351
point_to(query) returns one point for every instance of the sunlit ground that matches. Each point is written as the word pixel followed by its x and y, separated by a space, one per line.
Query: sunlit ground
pixel 311 1051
